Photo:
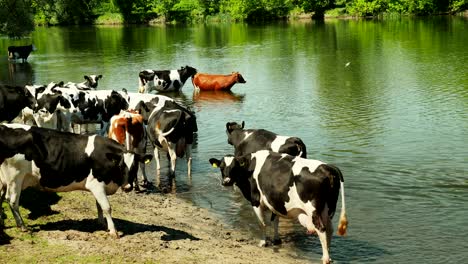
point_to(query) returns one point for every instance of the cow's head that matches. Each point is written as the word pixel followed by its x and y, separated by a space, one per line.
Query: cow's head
pixel 231 126
pixel 29 98
pixel 188 71
pixel 233 169
pixel 92 80
pixel 239 78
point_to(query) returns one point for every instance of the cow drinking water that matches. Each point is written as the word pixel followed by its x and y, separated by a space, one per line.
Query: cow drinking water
pixel 250 140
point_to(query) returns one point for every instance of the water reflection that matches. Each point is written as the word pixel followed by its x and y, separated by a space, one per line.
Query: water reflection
pixel 200 97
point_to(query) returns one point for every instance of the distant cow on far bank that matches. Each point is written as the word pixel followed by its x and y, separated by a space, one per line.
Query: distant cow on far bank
pixel 20 52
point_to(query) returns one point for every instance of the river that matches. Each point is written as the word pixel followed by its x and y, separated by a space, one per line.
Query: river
pixel 384 100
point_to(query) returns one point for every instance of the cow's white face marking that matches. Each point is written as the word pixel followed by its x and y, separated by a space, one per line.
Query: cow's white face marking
pixel 90 145
pixel 128 159
pixel 278 142
pixel 228 161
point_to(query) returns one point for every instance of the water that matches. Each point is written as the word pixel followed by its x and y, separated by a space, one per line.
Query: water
pixel 386 101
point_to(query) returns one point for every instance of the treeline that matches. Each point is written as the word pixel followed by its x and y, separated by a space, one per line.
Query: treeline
pixel 18 17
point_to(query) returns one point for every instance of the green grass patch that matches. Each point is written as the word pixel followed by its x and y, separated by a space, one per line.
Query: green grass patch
pixel 109 19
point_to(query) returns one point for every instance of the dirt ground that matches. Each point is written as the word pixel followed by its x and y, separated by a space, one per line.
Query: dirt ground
pixel 154 228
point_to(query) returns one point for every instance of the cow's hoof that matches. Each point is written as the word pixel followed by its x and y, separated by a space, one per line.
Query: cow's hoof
pixel 326 261
pixel 114 234
pixel 277 241
pixel 263 243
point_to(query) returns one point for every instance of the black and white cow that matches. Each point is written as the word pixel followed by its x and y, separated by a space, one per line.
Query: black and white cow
pixel 91 82
pixel 92 106
pixel 251 140
pixel 290 187
pixel 164 80
pixel 60 162
pixel 20 52
pixel 12 101
pixel 170 127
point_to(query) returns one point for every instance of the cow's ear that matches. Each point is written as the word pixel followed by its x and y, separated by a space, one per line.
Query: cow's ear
pixel 243 124
pixel 99 76
pixel 215 162
pixel 86 77
pixel 228 127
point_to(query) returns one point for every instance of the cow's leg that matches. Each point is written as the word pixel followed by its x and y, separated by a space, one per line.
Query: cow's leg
pixel 156 157
pixel 306 221
pixel 98 190
pixel 188 153
pixel 171 148
pixel 323 236
pixel 259 211
pixel 14 193
pixel 3 190
pixel 276 239
pixel 100 215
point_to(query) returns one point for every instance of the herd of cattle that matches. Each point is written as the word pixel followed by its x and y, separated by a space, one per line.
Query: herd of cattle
pixel 272 171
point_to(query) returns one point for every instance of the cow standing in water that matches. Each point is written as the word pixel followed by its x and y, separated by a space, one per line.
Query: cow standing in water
pixel 290 187
pixel 216 82
pixel 251 140
pixel 164 80
pixel 20 52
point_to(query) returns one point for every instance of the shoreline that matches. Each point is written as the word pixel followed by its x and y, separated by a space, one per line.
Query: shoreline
pixel 154 228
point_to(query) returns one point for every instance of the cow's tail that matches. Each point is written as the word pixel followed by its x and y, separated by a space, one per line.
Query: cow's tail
pixel 159 131
pixel 343 224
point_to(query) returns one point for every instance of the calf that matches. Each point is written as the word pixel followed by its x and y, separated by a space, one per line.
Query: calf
pixel 164 80
pixel 20 52
pixel 290 187
pixel 170 127
pixel 216 82
pixel 60 162
pixel 128 129
pixel 12 101
pixel 251 140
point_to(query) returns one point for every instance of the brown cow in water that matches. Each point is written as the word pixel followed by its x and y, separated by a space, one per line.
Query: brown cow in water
pixel 216 82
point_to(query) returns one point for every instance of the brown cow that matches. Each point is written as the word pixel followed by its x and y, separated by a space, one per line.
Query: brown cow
pixel 128 129
pixel 216 82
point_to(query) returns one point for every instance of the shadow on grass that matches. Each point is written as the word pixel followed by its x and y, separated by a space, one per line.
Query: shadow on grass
pixel 4 238
pixel 38 202
pixel 127 227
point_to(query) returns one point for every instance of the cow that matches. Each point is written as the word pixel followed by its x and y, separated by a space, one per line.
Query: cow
pixel 290 187
pixel 216 82
pixel 128 129
pixel 60 162
pixel 90 83
pixel 93 106
pixel 164 80
pixel 20 52
pixel 171 128
pixel 251 140
pixel 13 99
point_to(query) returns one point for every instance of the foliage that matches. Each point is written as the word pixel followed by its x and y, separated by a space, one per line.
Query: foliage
pixel 17 17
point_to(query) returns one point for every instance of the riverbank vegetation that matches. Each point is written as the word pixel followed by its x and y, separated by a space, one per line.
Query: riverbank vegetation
pixel 18 17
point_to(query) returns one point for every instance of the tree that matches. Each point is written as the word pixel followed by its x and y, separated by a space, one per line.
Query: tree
pixel 16 19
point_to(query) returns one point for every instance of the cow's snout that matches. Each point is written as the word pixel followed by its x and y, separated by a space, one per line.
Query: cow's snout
pixel 128 187
pixel 227 181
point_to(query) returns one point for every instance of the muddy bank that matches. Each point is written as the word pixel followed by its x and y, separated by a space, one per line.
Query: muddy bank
pixel 154 228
